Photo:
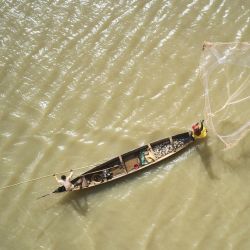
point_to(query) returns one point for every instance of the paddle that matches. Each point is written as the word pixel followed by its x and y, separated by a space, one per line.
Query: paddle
pixel 43 196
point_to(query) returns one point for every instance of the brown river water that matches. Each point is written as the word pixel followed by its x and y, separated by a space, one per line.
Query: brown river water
pixel 83 81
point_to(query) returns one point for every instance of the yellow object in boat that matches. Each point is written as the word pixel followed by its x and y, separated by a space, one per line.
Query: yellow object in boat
pixel 202 135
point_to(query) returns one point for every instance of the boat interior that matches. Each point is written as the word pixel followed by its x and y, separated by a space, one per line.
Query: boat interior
pixel 131 161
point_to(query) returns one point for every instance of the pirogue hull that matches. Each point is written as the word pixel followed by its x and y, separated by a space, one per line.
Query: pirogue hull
pixel 131 162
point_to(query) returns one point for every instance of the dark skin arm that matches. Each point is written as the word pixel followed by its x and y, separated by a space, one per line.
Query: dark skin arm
pixel 202 125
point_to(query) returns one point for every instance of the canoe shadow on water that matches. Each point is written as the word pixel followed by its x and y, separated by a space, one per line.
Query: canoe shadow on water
pixel 77 200
pixel 205 155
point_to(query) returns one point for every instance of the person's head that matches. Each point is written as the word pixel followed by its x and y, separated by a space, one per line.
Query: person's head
pixel 63 177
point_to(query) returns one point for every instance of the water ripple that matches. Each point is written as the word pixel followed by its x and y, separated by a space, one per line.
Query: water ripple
pixel 81 82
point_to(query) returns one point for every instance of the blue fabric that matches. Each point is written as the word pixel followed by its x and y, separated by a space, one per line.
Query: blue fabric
pixel 143 159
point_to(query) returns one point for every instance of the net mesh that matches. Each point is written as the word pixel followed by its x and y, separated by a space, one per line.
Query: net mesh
pixel 225 69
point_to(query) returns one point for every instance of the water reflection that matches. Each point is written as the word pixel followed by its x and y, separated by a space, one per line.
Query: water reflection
pixel 205 154
pixel 78 202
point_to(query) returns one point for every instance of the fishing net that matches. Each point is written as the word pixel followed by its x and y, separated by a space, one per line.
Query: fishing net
pixel 225 73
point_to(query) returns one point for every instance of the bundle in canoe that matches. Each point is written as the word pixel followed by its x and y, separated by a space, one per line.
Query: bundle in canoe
pixel 133 161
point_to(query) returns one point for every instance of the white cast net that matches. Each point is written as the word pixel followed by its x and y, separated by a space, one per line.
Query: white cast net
pixel 225 73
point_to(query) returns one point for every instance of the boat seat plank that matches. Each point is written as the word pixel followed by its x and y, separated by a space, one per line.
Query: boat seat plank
pixel 119 170
pixel 123 164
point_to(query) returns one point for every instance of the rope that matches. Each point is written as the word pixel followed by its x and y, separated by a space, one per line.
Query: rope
pixel 101 170
pixel 45 176
pixel 225 43
pixel 50 175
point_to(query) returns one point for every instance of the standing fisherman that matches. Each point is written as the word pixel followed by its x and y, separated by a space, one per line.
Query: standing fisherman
pixel 199 131
pixel 65 181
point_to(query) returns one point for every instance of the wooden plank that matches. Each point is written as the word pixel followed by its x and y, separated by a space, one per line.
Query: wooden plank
pixel 171 140
pixel 150 147
pixel 123 164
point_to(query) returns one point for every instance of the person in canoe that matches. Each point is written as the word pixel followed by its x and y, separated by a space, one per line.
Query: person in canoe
pixel 65 181
pixel 198 130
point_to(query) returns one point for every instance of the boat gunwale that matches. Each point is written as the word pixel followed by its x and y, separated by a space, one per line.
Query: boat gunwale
pixel 185 135
pixel 154 143
pixel 137 170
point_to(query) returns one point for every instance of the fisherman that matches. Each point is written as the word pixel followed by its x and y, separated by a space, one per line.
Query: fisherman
pixel 65 181
pixel 199 131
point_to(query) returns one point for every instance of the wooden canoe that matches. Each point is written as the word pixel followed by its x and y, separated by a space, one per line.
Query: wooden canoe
pixel 131 162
